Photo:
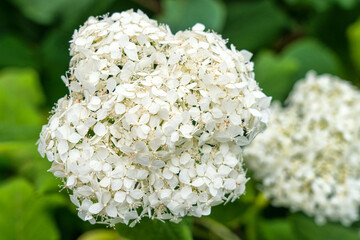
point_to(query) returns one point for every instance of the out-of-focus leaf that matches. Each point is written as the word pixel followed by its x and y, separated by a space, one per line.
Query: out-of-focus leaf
pixel 15 52
pixel 329 30
pixel 215 228
pixel 20 124
pixel 40 11
pixel 253 24
pixel 347 4
pixel 154 229
pixel 231 213
pixel 69 13
pixel 250 191
pixel 24 213
pixel 276 229
pixel 312 55
pixel 20 97
pixel 21 84
pixel 74 14
pixel 24 159
pixel 354 40
pixel 322 5
pixel 275 74
pixel 180 15
pixel 243 212
pixel 55 51
pixel 306 229
pixel 101 234
pixel 78 11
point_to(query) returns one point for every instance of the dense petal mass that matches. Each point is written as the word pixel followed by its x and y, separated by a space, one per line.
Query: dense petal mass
pixel 155 121
pixel 310 158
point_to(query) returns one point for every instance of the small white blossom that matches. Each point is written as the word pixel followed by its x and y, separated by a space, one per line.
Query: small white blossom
pixel 309 157
pixel 153 121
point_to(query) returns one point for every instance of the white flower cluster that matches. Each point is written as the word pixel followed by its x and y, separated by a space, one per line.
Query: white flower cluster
pixel 154 123
pixel 309 157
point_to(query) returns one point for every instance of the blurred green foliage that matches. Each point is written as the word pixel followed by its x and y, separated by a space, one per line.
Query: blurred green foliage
pixel 20 97
pixel 254 24
pixel 288 38
pixel 180 14
pixel 354 40
pixel 26 214
pixel 154 229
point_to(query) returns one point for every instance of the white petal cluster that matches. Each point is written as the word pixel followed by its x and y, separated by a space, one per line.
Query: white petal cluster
pixel 155 121
pixel 309 157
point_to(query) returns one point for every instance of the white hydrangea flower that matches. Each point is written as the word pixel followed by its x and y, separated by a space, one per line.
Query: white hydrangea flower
pixel 309 157
pixel 154 123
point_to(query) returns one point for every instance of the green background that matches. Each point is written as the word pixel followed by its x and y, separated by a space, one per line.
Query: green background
pixel 287 37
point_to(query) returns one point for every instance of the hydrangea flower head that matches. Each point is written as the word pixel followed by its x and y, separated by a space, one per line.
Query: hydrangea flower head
pixel 309 157
pixel 154 122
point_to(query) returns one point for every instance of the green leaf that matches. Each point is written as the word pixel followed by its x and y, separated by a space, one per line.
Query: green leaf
pixel 22 83
pixel 306 229
pixel 215 228
pixel 180 15
pixel 275 74
pixel 334 37
pixel 15 52
pixel 154 229
pixel 24 159
pixel 55 52
pixel 322 5
pixel 24 214
pixel 231 214
pixel 40 11
pixel 20 97
pixel 254 24
pixel 243 212
pixel 20 124
pixel 312 55
pixel 71 13
pixel 101 234
pixel 77 12
pixel 276 229
pixel 353 33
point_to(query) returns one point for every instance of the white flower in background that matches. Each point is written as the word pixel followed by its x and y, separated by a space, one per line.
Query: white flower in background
pixel 309 157
pixel 154 123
